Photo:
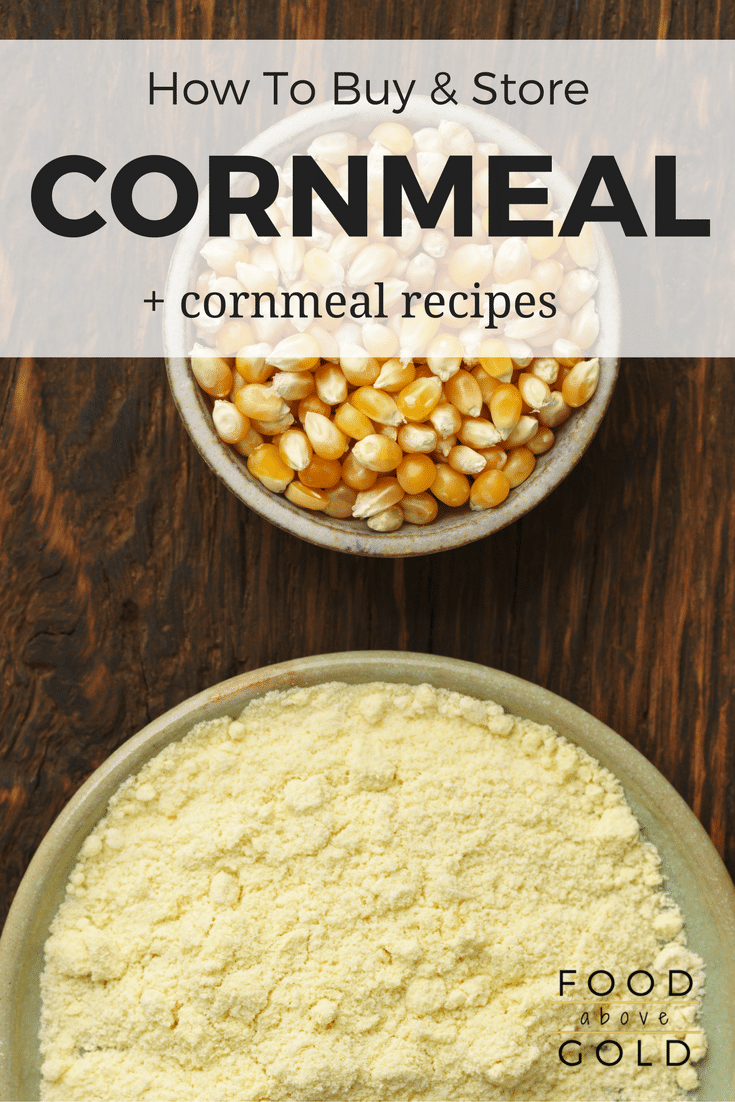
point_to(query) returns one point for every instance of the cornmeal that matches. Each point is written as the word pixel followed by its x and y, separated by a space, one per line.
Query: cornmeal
pixel 365 892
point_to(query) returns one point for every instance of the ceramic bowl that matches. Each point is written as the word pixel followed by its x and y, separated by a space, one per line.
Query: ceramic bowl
pixel 455 526
pixel 696 877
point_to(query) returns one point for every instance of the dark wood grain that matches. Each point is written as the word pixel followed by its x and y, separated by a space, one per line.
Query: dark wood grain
pixel 130 579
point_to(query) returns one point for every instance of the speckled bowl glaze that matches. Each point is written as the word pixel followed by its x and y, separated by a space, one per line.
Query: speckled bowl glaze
pixel 697 879
pixel 454 527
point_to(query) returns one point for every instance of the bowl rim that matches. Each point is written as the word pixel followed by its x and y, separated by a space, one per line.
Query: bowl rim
pixel 350 536
pixel 644 785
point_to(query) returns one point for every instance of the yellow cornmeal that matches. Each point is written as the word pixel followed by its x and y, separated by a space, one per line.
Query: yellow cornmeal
pixel 359 892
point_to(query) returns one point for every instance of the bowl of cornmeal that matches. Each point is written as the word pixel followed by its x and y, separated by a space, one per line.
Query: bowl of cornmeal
pixel 372 875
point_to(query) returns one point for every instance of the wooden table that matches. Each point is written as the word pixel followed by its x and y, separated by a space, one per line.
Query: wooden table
pixel 130 579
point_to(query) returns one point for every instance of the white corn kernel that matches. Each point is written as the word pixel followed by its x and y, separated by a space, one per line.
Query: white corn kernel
pixel 567 353
pixel 289 254
pixel 379 340
pixel 390 520
pixel 292 386
pixel 578 286
pixel 430 167
pixel 582 249
pixel 478 432
pixel 421 273
pixel 524 431
pixel 410 238
pixel 298 352
pixel 254 279
pixel 533 390
pixel 222 253
pixel 333 148
pixel 372 263
pixel 585 326
pixel 323 268
pixel 295 449
pixel 230 424
pixel 417 439
pixel 341 501
pixel 395 137
pixel 512 260
pixel 470 264
pixel 331 385
pixel 546 368
pixel 446 419
pixel 456 140
pixel 444 356
pixel 466 460
pixel 435 244
pixel 556 413
pixel 386 492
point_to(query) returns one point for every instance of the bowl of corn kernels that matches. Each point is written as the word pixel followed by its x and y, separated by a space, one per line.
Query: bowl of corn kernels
pixel 373 432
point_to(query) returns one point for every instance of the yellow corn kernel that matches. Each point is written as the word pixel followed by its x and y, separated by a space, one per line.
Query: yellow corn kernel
pixel 541 442
pixel 446 419
pixel 321 474
pixel 388 520
pixel 395 375
pixel 322 268
pixel 298 352
pixel 326 439
pixel 233 336
pixel 466 460
pixel 419 508
pixel 385 492
pixel 353 422
pixel 581 383
pixel 495 458
pixel 395 137
pixel 494 358
pixel 378 453
pixel 379 340
pixel 249 442
pixel 541 248
pixel 265 464
pixel 250 363
pixel 487 384
pixel 230 424
pixel 275 427
pixel 295 449
pixel 213 375
pixel 521 462
pixel 470 264
pixel 292 386
pixel 478 432
pixel 341 501
pixel 416 473
pixel 358 368
pixel 417 438
pixel 312 404
pixel 450 487
pixel 356 476
pixel 377 405
pixel 444 356
pixel 417 400
pixel 556 413
pixel 523 433
pixel 534 392
pixel 506 406
pixel 306 497
pixel 567 353
pixel 582 249
pixel 489 489
pixel 331 385
pixel 260 402
pixel 464 393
